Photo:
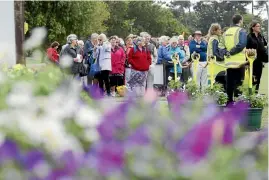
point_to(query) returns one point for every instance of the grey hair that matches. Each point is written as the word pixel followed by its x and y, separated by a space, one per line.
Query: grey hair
pixel 94 36
pixel 173 39
pixel 103 36
pixel 144 34
pixel 163 39
pixel 139 39
pixel 180 36
pixel 80 42
pixel 71 37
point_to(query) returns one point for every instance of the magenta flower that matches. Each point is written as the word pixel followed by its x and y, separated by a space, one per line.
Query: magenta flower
pixel 175 100
pixel 107 157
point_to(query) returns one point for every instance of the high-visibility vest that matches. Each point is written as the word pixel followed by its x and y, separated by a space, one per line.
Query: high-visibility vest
pixel 231 38
pixel 217 68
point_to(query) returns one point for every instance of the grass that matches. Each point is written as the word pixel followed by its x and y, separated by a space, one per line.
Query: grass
pixel 264 90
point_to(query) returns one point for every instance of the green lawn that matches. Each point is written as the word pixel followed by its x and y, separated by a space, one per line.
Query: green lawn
pixel 264 90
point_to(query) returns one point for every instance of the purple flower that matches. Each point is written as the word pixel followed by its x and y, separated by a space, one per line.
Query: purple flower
pixel 196 143
pixel 9 151
pixel 107 157
pixel 113 121
pixel 139 137
pixel 231 118
pixel 175 100
pixel 32 158
pixel 94 91
pixel 67 168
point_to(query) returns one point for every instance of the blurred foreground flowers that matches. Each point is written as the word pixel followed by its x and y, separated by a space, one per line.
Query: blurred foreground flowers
pixel 52 128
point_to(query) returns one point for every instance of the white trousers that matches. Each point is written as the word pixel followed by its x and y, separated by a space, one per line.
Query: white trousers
pixel 202 81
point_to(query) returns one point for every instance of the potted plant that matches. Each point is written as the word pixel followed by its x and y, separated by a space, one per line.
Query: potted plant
pixel 257 102
pixel 218 94
pixel 192 90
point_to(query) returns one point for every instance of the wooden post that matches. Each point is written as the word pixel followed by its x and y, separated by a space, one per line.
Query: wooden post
pixel 19 31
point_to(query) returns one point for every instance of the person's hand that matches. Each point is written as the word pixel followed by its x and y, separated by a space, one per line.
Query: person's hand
pixel 76 59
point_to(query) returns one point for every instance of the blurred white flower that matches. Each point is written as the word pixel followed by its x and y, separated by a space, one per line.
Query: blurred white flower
pixel 91 134
pixel 21 95
pixel 169 78
pixel 66 61
pixel 36 39
pixel 190 79
pixel 37 55
pixel 87 117
pixel 3 78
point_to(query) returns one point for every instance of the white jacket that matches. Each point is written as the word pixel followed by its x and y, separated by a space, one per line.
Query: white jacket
pixel 103 54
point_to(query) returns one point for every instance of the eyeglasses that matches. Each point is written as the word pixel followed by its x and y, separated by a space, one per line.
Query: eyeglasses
pixel 100 40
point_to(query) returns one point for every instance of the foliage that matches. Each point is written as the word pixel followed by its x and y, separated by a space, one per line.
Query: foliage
pixel 62 18
pixel 193 90
pixel 174 84
pixel 254 100
pixel 218 94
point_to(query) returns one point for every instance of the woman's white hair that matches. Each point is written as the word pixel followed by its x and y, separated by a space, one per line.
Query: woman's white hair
pixel 103 37
pixel 144 34
pixel 94 36
pixel 163 39
pixel 80 42
pixel 173 39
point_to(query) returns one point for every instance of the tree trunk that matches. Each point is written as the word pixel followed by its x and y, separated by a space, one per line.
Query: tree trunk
pixel 19 31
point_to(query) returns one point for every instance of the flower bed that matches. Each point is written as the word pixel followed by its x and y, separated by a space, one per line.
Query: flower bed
pixel 49 131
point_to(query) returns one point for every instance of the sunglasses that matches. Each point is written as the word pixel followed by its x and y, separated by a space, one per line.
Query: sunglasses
pixel 100 40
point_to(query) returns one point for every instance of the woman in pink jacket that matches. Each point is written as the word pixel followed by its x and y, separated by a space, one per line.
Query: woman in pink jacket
pixel 117 61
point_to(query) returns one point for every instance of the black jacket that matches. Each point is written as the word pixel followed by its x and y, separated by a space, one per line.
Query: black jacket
pixel 259 44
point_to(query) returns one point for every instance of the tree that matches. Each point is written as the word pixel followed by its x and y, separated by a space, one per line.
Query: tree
pixel 153 18
pixel 217 12
pixel 64 17
pixel 118 23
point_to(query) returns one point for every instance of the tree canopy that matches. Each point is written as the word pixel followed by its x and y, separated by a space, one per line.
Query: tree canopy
pixel 124 17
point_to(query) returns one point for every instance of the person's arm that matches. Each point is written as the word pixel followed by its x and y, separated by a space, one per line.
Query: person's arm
pixel 187 54
pixel 216 50
pixel 248 46
pixel 203 46
pixel 241 44
pixel 149 57
pixel 264 41
pixel 166 55
pixel 123 57
pixel 154 60
pixel 192 47
pixel 159 58
pixel 130 56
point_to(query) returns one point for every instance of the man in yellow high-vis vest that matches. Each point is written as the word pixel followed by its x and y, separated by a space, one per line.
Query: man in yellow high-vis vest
pixel 235 41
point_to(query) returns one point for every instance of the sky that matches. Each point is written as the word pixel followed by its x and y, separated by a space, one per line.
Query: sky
pixel 263 15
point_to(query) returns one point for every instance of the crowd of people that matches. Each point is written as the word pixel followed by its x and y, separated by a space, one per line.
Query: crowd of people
pixel 112 62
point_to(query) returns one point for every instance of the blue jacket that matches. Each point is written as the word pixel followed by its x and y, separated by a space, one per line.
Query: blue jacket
pixel 242 42
pixel 163 54
pixel 218 52
pixel 202 50
pixel 88 51
pixel 181 57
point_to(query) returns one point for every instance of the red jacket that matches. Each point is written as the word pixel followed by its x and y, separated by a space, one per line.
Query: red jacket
pixel 53 54
pixel 139 60
pixel 117 60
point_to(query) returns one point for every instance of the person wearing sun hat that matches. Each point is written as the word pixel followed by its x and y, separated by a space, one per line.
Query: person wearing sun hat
pixel 200 47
